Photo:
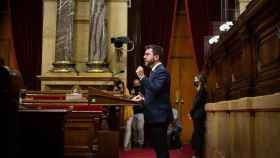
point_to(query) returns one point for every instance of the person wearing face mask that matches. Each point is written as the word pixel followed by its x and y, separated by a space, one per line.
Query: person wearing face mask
pixel 198 115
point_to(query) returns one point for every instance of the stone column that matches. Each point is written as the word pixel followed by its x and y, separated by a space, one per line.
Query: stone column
pixel 64 36
pixel 98 37
pixel 242 5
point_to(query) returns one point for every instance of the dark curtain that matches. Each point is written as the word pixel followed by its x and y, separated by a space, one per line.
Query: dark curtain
pixel 149 22
pixel 157 21
pixel 135 57
pixel 201 14
pixel 27 35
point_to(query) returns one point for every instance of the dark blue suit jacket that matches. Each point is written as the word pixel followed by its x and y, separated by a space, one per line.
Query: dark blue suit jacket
pixel 157 108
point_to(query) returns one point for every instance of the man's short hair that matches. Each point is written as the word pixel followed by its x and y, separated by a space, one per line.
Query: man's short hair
pixel 157 50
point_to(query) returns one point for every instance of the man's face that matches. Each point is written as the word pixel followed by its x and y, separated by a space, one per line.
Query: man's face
pixel 149 58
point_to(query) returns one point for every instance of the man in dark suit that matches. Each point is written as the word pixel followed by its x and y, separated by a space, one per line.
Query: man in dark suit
pixel 157 108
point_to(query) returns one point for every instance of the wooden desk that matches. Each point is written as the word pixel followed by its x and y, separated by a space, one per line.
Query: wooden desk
pixel 81 135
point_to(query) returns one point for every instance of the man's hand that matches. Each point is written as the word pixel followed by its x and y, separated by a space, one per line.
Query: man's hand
pixel 140 72
pixel 138 98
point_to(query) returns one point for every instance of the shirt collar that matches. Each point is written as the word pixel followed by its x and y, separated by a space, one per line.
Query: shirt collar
pixel 155 66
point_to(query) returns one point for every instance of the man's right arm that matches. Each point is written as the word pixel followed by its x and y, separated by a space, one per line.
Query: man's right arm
pixel 157 82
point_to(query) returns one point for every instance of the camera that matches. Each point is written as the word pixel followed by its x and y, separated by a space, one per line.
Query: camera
pixel 119 41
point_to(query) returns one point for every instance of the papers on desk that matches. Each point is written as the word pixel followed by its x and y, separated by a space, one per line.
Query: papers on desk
pixel 74 96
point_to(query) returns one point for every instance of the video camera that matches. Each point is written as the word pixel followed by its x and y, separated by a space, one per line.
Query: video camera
pixel 119 41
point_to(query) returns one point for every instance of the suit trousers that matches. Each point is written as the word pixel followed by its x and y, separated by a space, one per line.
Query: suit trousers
pixel 158 138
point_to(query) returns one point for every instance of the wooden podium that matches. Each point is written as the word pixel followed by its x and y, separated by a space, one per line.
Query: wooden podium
pixel 108 139
pixel 82 132
pixel 99 97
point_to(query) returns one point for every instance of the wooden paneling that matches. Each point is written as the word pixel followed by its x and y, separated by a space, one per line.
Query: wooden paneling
pixel 79 131
pixel 266 133
pixel 246 59
pixel 240 128
pixel 212 85
pixel 244 128
pixel 182 67
pixel 111 138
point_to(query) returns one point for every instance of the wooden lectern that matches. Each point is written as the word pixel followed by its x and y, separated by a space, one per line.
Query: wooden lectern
pixel 108 140
pixel 98 97
pixel 82 133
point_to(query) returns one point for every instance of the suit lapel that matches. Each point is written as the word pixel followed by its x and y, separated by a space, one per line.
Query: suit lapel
pixel 152 73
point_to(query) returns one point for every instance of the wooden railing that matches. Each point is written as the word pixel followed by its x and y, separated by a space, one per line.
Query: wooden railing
pixel 244 128
pixel 246 60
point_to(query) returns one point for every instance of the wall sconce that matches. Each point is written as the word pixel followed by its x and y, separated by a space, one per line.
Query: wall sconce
pixel 226 26
pixel 214 39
